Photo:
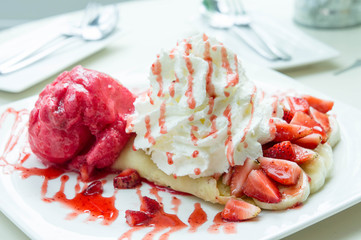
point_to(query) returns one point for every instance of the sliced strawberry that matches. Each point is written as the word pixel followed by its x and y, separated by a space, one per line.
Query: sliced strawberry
pixel 320 118
pixel 94 188
pixel 282 150
pixel 297 104
pixel 226 177
pixel 289 132
pixel 303 154
pixel 129 178
pixel 259 186
pixel 136 218
pixel 304 119
pixel 150 206
pixel 238 210
pixel 282 171
pixel 310 141
pixel 239 176
pixel 287 115
pixel 320 104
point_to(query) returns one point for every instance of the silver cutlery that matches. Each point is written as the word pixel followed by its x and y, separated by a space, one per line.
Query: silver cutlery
pixel 357 63
pixel 97 23
pixel 230 14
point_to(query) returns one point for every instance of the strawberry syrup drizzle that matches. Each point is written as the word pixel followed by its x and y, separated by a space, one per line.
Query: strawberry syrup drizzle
pixel 188 47
pixel 195 153
pixel 171 89
pixel 292 190
pixel 193 137
pixel 148 134
pixel 189 93
pixel 128 234
pixel 170 157
pixel 218 222
pixel 232 78
pixel 207 56
pixel 176 203
pixel 171 53
pixel 97 205
pixel 161 121
pixel 130 125
pixel 155 192
pixel 157 71
pixel 160 222
pixel 49 173
pixel 210 105
pixel 77 187
pixel 274 106
pixel 229 144
pixel 251 117
pixel 149 93
pixel 172 85
pixel 191 118
pixel 165 189
pixel 17 130
pixel 214 129
pixel 197 218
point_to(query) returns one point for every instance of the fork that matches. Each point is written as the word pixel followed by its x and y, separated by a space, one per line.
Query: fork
pixel 44 48
pixel 241 18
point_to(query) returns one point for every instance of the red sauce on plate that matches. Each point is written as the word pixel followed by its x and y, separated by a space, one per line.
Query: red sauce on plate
pixel 96 206
pixel 218 222
pixel 197 218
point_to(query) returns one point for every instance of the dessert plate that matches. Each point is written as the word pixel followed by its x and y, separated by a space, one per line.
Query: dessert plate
pixel 21 198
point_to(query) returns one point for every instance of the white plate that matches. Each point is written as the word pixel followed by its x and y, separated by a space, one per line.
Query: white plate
pixel 21 198
pixel 54 63
pixel 285 34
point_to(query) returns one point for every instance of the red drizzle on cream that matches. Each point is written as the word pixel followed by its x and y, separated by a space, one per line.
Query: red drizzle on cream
pixel 193 137
pixel 274 106
pixel 207 56
pixel 161 121
pixel 157 71
pixel 197 171
pixel 148 133
pixel 214 130
pixel 170 158
pixel 232 78
pixel 251 117
pixel 172 85
pixel 229 143
pixel 210 105
pixel 189 93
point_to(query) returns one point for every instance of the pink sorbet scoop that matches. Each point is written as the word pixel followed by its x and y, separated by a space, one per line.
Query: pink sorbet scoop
pixel 79 121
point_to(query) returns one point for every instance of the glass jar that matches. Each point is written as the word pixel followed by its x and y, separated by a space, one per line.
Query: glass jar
pixel 328 13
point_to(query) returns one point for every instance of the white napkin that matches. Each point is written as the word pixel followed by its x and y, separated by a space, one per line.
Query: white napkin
pixel 59 60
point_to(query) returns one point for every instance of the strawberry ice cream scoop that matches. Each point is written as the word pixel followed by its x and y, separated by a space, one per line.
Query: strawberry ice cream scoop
pixel 79 121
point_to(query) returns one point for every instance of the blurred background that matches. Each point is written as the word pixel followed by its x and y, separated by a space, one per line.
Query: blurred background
pixel 13 12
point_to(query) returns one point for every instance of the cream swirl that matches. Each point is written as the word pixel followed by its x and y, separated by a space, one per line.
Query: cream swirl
pixel 201 114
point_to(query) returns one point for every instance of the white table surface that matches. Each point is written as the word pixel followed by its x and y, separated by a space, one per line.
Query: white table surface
pixel 155 24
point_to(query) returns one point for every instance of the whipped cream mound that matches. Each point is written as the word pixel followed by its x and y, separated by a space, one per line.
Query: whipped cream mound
pixel 201 114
